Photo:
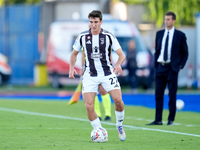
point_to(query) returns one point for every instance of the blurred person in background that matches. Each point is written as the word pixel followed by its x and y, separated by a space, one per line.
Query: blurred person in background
pixel 171 54
pixel 132 65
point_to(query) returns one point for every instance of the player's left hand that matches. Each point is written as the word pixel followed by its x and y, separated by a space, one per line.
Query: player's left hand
pixel 117 69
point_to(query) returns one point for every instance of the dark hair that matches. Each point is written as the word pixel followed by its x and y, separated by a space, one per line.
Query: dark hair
pixel 95 13
pixel 170 13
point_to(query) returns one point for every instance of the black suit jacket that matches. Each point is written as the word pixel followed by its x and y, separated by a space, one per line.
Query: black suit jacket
pixel 179 50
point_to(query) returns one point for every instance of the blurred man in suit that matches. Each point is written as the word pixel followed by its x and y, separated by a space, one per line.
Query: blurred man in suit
pixel 171 54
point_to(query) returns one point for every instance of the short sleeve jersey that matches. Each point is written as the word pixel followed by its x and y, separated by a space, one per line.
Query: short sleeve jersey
pixel 97 49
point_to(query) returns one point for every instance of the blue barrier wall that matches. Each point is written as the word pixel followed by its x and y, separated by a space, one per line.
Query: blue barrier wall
pixel 2 10
pixel 21 40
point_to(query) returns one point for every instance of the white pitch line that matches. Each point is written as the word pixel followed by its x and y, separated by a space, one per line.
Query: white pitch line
pixel 86 120
pixel 142 119
pixel 41 128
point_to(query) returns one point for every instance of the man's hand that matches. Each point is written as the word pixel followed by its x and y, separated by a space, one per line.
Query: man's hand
pixel 72 71
pixel 117 69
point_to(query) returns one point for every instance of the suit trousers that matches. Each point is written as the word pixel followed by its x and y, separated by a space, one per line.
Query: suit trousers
pixel 165 76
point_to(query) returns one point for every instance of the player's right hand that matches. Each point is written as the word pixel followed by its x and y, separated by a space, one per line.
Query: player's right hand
pixel 72 72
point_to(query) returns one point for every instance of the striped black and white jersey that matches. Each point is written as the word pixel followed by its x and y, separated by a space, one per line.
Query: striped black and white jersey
pixel 97 49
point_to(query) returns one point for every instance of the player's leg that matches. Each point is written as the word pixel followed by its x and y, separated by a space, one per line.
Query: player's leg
pixel 111 84
pixel 89 105
pixel 89 90
pixel 119 105
pixel 106 100
pixel 97 107
pixel 119 112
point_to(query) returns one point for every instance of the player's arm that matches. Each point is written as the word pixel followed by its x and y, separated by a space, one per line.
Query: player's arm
pixel 83 62
pixel 73 58
pixel 117 68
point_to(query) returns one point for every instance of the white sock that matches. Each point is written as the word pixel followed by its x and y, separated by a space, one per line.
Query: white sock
pixel 96 123
pixel 119 117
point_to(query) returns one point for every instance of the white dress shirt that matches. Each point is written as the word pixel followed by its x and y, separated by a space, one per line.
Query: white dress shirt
pixel 161 57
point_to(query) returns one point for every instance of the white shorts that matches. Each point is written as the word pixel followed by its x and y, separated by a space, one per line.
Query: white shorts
pixel 90 84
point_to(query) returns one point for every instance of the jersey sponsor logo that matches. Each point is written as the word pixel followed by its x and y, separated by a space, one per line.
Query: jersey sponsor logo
pixel 93 56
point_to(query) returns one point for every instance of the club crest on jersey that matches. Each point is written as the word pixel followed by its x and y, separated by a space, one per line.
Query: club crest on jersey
pixel 88 37
pixel 102 40
pixel 95 53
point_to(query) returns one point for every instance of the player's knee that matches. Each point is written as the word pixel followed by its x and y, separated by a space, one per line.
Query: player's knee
pixel 118 101
pixel 89 106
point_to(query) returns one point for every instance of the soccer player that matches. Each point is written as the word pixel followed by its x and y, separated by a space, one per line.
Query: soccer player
pixel 97 44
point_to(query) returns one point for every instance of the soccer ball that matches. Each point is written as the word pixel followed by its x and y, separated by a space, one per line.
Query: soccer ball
pixel 99 135
pixel 179 104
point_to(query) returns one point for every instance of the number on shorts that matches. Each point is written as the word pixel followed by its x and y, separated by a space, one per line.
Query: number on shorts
pixel 113 80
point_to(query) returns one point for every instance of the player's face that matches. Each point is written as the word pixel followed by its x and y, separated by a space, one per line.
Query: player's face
pixel 169 22
pixel 95 25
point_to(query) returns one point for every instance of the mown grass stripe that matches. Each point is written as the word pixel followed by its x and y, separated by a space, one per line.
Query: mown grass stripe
pixel 86 120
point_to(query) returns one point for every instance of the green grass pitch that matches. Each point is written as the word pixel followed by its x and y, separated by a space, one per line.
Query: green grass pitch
pixel 38 124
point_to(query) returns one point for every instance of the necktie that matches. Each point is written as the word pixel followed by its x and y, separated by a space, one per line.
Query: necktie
pixel 166 47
